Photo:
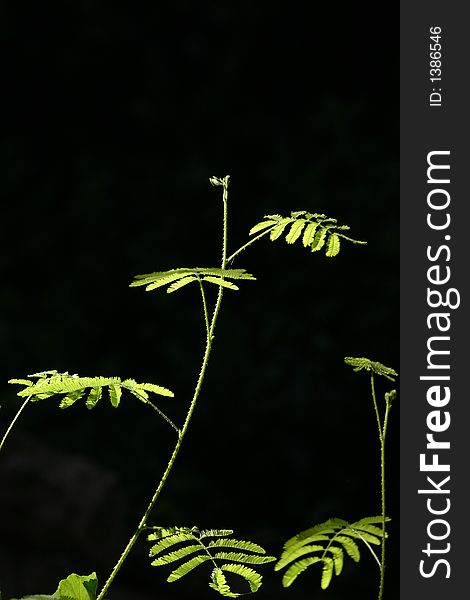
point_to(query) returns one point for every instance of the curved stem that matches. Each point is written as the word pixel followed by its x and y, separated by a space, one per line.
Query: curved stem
pixel 163 415
pixel 204 306
pixel 209 337
pixel 15 418
pixel 232 256
pixel 382 433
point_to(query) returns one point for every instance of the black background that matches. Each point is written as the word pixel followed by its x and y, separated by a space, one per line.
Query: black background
pixel 115 116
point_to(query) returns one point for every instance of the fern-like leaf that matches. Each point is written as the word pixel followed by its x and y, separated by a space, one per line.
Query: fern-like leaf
pixel 178 278
pixel 366 364
pixel 70 388
pixel 317 230
pixel 332 539
pixel 199 546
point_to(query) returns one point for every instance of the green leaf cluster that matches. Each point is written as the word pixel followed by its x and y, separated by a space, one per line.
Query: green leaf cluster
pixel 366 364
pixel 72 388
pixel 74 587
pixel 194 547
pixel 178 278
pixel 316 230
pixel 327 543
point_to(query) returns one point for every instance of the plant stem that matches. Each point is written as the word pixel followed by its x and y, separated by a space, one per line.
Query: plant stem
pixel 163 415
pixel 209 337
pixel 15 418
pixel 382 433
pixel 232 256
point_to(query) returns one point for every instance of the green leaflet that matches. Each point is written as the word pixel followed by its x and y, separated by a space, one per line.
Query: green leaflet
pixel 186 567
pixel 222 282
pixel 180 283
pixel 93 397
pixel 295 231
pixel 327 573
pixel 297 568
pixel 333 245
pixel 252 559
pixel 319 231
pixel 219 583
pixel 178 278
pixel 336 537
pixel 261 226
pixel 74 587
pixel 253 578
pixel 278 230
pixel 218 533
pixel 309 234
pixel 176 555
pixel 196 547
pixel 238 544
pixel 114 395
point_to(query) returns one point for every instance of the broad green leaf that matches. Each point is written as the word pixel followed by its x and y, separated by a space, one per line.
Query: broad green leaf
pixel 79 587
pixel 74 587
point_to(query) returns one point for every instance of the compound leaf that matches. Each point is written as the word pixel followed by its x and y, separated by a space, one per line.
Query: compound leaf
pixel 192 540
pixel 333 538
pixel 366 364
pixel 319 231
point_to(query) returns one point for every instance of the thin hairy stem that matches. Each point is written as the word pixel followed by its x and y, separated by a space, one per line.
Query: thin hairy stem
pixel 206 550
pixel 15 418
pixel 382 432
pixel 204 306
pixel 209 337
pixel 163 415
pixel 369 546
pixel 237 252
